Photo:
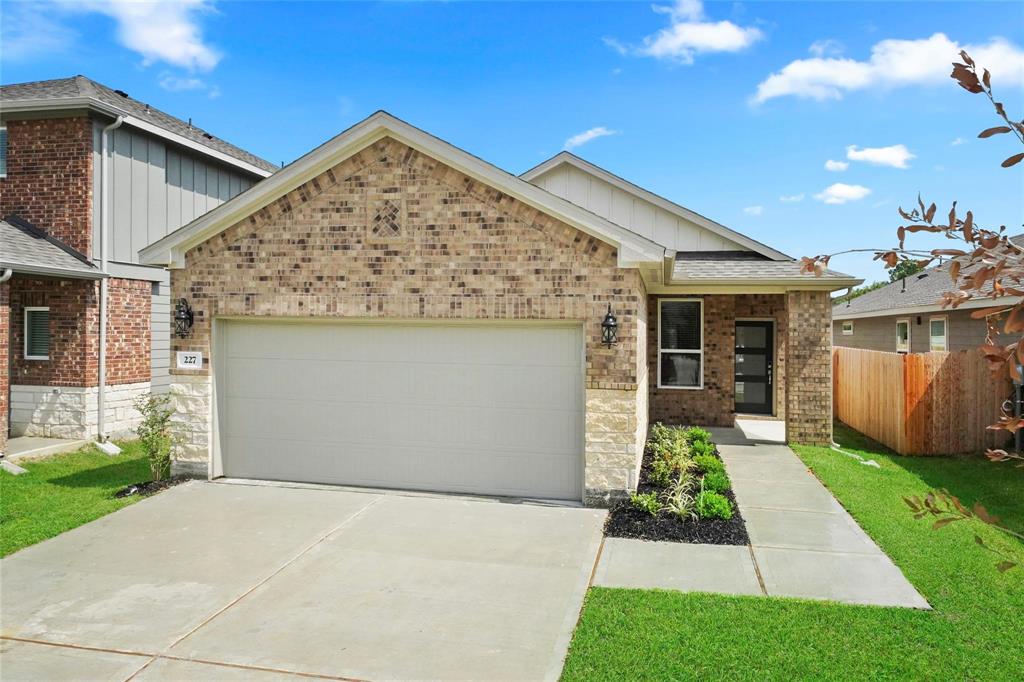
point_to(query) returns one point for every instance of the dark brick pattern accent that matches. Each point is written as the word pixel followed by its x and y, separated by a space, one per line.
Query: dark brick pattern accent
pixel 467 251
pixel 49 177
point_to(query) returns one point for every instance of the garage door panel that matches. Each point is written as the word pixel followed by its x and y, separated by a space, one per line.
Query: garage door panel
pixel 489 409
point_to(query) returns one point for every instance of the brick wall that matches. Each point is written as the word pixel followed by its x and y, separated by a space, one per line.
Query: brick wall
pixel 5 290
pixel 49 177
pixel 713 405
pixel 74 332
pixel 392 233
pixel 809 366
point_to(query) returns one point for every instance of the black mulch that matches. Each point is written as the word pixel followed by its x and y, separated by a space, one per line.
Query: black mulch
pixel 148 488
pixel 626 521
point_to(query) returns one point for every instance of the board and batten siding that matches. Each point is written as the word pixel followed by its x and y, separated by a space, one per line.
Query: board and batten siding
pixel 155 189
pixel 636 214
pixel 160 321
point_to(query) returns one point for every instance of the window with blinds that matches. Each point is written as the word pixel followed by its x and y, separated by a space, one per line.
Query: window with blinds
pixel 681 343
pixel 37 333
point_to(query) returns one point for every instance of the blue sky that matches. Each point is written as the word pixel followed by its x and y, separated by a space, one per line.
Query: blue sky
pixel 731 109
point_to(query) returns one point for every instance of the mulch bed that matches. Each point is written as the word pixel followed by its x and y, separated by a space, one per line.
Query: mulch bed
pixel 626 521
pixel 147 488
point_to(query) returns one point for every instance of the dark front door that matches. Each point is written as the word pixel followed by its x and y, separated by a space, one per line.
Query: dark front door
pixel 755 357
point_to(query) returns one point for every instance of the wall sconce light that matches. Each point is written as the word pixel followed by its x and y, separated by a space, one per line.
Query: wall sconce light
pixel 183 319
pixel 609 329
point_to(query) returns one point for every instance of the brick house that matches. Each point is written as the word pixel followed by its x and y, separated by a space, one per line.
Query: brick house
pixel 390 310
pixel 65 254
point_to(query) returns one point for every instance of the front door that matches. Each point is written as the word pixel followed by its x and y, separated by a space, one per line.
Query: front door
pixel 755 357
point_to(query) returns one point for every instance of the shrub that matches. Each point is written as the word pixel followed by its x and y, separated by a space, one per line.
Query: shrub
pixel 695 434
pixel 154 433
pixel 679 499
pixel 709 463
pixel 702 448
pixel 660 474
pixel 716 481
pixel 712 505
pixel 646 501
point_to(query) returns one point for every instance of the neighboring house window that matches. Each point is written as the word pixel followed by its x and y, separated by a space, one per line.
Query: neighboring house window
pixel 37 333
pixel 902 336
pixel 937 334
pixel 680 343
pixel 847 328
pixel 3 152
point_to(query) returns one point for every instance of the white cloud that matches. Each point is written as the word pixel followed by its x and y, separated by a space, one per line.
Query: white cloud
pixel 792 198
pixel 587 135
pixel 893 63
pixel 826 48
pixel 690 33
pixel 895 156
pixel 166 31
pixel 30 31
pixel 840 193
pixel 836 166
pixel 173 83
pixel 957 141
pixel 754 210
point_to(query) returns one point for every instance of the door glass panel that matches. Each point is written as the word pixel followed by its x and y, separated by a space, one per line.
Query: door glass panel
pixel 751 337
pixel 755 364
pixel 751 392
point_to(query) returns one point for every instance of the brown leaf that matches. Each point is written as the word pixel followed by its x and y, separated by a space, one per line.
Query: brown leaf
pixel 968 228
pixel 982 513
pixel 967 79
pixel 944 522
pixel 1004 566
pixel 954 270
pixel 929 214
pixel 997 130
pixel 982 313
pixel 1015 321
pixel 1013 160
pixel 979 541
pixel 986 78
pixel 966 57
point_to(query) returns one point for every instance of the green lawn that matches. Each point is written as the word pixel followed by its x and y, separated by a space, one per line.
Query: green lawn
pixel 974 633
pixel 65 491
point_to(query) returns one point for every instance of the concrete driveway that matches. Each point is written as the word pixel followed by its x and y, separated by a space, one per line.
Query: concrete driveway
pixel 222 581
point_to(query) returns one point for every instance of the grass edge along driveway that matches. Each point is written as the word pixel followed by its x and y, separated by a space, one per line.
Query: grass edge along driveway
pixel 64 491
pixel 974 631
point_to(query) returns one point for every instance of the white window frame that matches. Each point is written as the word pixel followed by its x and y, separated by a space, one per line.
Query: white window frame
pixel 909 332
pixel 30 309
pixel 847 332
pixel 6 156
pixel 945 333
pixel 699 352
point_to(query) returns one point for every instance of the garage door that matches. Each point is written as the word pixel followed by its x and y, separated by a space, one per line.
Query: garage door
pixel 495 409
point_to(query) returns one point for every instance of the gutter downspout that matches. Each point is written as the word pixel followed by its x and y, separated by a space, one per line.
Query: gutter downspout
pixel 101 435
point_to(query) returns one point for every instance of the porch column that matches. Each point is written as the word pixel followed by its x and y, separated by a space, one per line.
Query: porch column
pixel 5 360
pixel 809 367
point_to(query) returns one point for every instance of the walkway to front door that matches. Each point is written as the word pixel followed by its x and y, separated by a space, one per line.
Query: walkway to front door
pixel 755 360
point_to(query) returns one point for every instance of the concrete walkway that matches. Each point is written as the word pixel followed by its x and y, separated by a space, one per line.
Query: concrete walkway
pixel 211 581
pixel 802 542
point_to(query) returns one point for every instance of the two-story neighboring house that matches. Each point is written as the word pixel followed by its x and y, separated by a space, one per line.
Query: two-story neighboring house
pixel 88 177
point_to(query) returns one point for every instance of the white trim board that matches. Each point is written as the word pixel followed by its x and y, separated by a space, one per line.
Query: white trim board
pixel 661 202
pixel 633 249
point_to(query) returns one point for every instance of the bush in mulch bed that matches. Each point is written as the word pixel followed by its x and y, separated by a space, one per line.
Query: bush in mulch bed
pixel 147 488
pixel 683 495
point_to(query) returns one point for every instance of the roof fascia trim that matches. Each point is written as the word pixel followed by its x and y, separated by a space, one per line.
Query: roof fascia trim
pixel 973 304
pixel 110 110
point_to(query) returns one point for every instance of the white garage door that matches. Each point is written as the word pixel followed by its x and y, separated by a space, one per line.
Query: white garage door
pixel 491 409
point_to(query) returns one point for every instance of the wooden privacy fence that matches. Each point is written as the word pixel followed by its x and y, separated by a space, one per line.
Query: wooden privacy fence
pixel 920 403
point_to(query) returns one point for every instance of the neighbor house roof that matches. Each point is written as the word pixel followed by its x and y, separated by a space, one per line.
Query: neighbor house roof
pixel 26 249
pixel 633 249
pixel 563 158
pixel 920 292
pixel 731 267
pixel 82 92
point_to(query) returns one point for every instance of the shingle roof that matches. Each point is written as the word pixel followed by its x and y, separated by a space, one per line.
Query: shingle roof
pixel 29 250
pixel 923 289
pixel 78 87
pixel 696 267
